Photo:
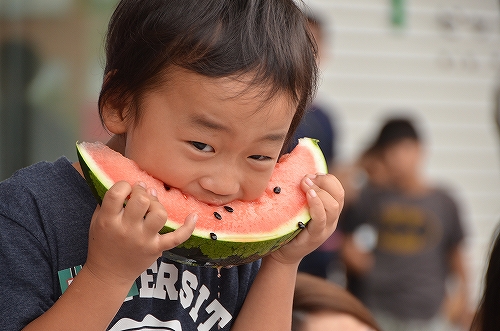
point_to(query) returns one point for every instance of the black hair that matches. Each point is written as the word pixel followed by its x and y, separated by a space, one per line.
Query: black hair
pixel 487 317
pixel 394 131
pixel 267 39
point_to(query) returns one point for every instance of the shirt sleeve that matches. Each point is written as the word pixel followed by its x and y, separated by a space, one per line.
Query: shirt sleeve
pixel 456 231
pixel 26 280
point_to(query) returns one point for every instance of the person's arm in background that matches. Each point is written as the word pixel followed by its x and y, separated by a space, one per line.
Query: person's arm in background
pixel 456 305
pixel 357 261
pixel 356 252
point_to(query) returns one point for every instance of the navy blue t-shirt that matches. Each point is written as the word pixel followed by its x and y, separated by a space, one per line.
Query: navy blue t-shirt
pixel 45 213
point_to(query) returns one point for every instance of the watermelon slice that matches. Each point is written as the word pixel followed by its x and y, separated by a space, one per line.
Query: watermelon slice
pixel 240 232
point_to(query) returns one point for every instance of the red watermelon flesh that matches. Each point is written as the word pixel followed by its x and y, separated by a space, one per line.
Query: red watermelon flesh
pixel 241 231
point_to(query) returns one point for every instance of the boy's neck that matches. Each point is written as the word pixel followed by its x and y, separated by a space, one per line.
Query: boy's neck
pixel 117 143
pixel 414 185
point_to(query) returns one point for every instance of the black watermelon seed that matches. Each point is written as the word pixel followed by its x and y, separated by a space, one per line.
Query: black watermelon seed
pixel 213 236
pixel 229 209
pixel 301 225
pixel 217 215
pixel 166 187
pixel 277 190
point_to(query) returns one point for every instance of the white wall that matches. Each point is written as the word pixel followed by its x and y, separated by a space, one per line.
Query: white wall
pixel 443 65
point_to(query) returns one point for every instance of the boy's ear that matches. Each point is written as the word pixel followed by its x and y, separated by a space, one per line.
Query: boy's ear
pixel 113 119
pixel 112 113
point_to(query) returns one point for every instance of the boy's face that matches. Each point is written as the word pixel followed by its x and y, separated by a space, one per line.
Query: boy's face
pixel 402 159
pixel 208 137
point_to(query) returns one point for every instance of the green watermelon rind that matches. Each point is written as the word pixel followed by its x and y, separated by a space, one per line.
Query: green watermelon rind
pixel 217 253
pixel 319 158
pixel 98 185
pixel 200 249
pixel 209 252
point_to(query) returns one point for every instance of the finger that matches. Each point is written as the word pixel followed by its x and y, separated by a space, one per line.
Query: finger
pixel 138 204
pixel 115 197
pixel 157 215
pixel 330 184
pixel 180 235
pixel 329 189
pixel 329 208
pixel 317 212
pixel 332 207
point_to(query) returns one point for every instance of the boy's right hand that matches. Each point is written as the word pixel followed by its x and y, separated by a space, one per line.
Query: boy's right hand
pixel 124 240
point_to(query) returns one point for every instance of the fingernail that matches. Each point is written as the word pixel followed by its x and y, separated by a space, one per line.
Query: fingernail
pixel 320 174
pixel 309 181
pixel 141 184
pixel 312 193
pixel 195 218
pixel 153 192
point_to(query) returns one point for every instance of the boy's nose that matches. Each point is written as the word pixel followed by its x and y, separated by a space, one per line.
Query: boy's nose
pixel 224 181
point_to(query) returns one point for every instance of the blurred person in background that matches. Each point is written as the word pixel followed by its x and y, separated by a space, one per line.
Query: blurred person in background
pixel 320 305
pixel 367 176
pixel 403 239
pixel 318 123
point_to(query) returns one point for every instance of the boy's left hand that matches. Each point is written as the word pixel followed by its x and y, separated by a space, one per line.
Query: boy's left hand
pixel 325 197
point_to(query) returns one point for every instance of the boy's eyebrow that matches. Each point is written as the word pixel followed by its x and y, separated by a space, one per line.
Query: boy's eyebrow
pixel 205 122
pixel 273 137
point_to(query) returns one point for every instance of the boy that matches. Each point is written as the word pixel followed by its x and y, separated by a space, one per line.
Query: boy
pixel 418 242
pixel 202 95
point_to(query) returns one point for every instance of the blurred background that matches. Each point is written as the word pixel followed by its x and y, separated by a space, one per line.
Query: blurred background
pixel 438 60
pixel 51 55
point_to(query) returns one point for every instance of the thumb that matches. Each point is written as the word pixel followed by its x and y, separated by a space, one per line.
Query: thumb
pixel 180 235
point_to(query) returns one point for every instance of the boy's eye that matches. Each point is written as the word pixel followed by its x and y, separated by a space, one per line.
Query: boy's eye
pixel 202 147
pixel 260 157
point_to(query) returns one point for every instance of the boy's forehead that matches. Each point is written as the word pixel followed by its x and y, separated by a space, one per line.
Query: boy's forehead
pixel 242 88
pixel 200 99
pixel 405 144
